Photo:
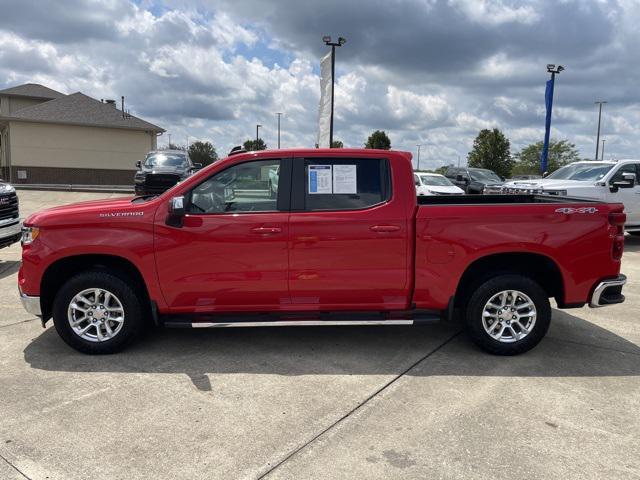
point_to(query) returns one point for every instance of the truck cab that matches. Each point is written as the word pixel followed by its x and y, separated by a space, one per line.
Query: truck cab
pixel 599 180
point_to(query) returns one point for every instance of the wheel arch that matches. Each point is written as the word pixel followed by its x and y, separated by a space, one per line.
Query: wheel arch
pixel 541 268
pixel 63 269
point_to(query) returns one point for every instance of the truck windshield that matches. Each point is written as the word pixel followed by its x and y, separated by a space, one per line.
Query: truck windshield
pixel 165 160
pixel 582 171
pixel 484 176
pixel 435 180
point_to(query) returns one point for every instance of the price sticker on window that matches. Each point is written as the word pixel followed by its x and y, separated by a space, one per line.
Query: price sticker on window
pixel 345 179
pixel 320 179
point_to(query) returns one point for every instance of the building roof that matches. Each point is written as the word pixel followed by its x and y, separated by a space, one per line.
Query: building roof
pixel 79 109
pixel 32 90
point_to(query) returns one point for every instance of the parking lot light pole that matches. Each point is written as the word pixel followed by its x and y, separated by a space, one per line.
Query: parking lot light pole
pixel 257 134
pixel 602 158
pixel 419 145
pixel 279 114
pixel 599 103
pixel 548 100
pixel 327 41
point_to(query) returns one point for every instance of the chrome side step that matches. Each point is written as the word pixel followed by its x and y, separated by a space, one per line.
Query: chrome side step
pixel 298 323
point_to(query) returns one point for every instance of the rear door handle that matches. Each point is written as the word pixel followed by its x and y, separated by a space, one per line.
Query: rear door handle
pixel 266 230
pixel 384 228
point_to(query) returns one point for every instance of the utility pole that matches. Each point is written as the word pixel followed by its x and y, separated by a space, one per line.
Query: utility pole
pixel 458 161
pixel 599 103
pixel 419 145
pixel 169 140
pixel 602 158
pixel 257 134
pixel 341 41
pixel 279 114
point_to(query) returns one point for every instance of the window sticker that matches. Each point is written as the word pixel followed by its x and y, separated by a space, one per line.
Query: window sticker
pixel 320 179
pixel 345 179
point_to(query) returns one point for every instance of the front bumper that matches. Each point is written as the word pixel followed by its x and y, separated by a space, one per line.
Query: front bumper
pixel 31 304
pixel 608 292
pixel 10 234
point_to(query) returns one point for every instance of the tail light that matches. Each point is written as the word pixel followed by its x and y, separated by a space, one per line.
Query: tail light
pixel 616 231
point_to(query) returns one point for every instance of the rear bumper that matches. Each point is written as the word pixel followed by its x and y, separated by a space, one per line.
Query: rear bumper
pixel 608 292
pixel 31 304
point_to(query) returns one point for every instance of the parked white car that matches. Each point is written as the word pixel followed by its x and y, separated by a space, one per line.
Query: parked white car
pixel 609 181
pixel 435 184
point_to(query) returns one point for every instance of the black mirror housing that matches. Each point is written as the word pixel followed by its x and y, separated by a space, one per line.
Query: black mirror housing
pixel 197 166
pixel 139 164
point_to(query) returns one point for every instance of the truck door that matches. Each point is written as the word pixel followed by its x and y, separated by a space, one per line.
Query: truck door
pixel 630 197
pixel 230 254
pixel 349 245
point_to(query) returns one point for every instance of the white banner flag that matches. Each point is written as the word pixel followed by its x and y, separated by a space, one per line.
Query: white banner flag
pixel 324 112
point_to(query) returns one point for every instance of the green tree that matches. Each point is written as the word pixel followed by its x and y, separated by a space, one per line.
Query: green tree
pixel 491 150
pixel 254 145
pixel 337 144
pixel 443 169
pixel 203 153
pixel 561 152
pixel 173 146
pixel 379 140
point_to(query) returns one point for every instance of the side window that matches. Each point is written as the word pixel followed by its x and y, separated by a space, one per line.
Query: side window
pixel 628 168
pixel 346 183
pixel 246 187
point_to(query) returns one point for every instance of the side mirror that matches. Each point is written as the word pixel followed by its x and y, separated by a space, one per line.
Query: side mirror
pixel 628 181
pixel 197 166
pixel 139 164
pixel 176 212
pixel 545 174
pixel 459 178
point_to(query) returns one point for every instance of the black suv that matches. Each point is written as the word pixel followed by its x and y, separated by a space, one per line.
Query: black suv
pixel 475 180
pixel 161 170
pixel 10 225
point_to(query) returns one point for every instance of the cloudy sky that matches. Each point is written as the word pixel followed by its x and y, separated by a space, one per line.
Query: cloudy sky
pixel 432 72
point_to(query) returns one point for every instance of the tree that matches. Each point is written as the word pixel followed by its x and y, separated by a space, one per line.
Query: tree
pixel 443 169
pixel 203 153
pixel 172 146
pixel 254 145
pixel 337 144
pixel 491 150
pixel 561 152
pixel 379 140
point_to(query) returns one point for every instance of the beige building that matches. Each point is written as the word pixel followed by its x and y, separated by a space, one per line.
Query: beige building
pixel 47 137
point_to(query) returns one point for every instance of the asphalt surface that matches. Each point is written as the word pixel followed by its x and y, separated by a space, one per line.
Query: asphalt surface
pixel 348 402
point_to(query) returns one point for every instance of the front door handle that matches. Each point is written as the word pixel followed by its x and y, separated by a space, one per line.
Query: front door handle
pixel 384 228
pixel 266 230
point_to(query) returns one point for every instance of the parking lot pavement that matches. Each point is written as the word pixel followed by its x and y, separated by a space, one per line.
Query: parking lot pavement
pixel 377 402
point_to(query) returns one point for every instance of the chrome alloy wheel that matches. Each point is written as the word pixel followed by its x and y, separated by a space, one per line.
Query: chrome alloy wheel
pixel 95 315
pixel 509 316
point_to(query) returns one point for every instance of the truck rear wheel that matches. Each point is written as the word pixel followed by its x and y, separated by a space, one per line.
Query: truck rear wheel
pixel 508 314
pixel 97 312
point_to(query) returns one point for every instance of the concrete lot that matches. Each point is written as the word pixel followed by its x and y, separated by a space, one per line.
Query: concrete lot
pixel 376 402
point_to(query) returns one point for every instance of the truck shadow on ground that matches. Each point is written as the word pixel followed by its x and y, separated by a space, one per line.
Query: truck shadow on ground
pixel 632 243
pixel 573 347
pixel 8 268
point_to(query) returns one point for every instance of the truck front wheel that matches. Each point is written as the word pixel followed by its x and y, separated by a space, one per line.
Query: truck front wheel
pixel 508 314
pixel 97 312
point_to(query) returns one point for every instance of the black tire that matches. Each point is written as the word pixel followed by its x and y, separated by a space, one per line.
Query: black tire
pixel 485 291
pixel 131 300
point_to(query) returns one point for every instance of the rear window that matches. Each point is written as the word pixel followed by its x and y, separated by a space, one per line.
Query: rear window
pixel 345 183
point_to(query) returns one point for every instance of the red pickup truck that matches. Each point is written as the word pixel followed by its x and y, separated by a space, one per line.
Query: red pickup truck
pixel 317 237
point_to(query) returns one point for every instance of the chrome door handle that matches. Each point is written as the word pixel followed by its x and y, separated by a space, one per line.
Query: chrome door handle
pixel 384 228
pixel 266 230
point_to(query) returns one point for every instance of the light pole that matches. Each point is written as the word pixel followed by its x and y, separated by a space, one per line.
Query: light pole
pixel 599 103
pixel 279 114
pixel 327 41
pixel 602 158
pixel 548 100
pixel 257 134
pixel 419 145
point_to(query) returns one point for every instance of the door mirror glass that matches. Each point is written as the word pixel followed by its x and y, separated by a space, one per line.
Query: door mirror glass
pixel 197 166
pixel 628 181
pixel 176 206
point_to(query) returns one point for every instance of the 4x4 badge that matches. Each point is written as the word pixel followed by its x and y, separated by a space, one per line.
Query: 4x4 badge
pixel 569 210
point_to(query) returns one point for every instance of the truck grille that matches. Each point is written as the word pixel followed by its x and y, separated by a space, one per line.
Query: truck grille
pixel 9 206
pixel 160 182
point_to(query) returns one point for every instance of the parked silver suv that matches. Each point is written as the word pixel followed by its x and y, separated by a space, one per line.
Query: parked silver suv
pixel 10 225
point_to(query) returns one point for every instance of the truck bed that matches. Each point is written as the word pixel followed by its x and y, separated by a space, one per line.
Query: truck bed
pixel 497 199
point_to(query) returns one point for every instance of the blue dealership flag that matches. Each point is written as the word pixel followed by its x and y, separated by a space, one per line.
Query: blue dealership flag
pixel 548 100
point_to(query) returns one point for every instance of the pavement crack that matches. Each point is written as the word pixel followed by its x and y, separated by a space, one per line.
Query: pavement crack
pixel 18 323
pixel 601 347
pixel 356 408
pixel 14 467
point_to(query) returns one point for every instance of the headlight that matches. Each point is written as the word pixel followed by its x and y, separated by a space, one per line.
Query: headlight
pixel 6 188
pixel 29 234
